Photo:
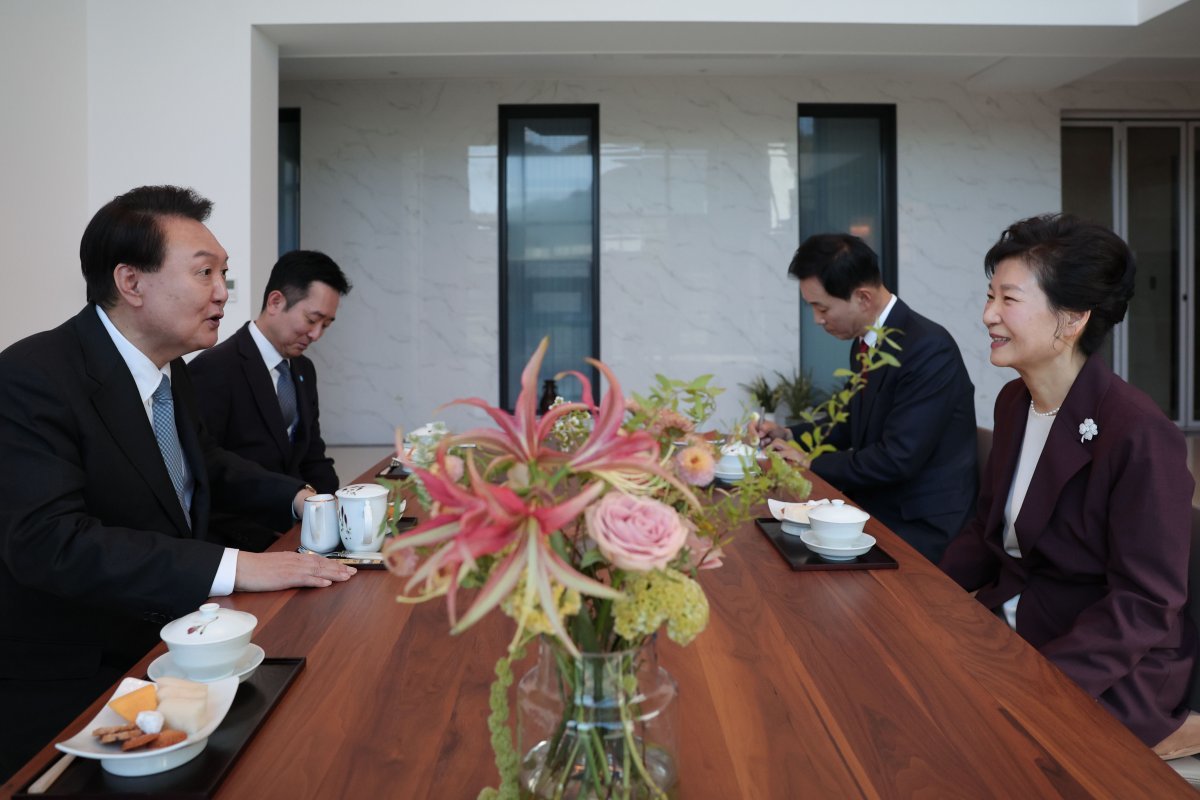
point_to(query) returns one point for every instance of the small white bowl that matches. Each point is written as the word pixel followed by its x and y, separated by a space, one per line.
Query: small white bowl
pixel 837 523
pixel 207 644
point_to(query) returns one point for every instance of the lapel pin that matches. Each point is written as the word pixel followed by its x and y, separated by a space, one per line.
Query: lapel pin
pixel 1088 429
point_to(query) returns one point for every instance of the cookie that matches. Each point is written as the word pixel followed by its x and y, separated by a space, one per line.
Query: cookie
pixel 167 737
pixel 141 740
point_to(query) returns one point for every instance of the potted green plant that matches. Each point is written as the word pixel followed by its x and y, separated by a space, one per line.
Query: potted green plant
pixel 799 393
pixel 763 394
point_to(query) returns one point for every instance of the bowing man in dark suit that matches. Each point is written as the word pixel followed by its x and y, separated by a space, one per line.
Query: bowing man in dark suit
pixel 110 475
pixel 907 454
pixel 1084 521
pixel 257 391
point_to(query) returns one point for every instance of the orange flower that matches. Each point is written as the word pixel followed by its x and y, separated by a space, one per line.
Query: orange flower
pixel 696 465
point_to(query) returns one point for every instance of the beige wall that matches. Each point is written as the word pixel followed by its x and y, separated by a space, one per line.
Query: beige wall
pixel 43 161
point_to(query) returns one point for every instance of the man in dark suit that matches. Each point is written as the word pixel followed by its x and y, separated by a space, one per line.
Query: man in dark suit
pixel 257 391
pixel 110 475
pixel 907 454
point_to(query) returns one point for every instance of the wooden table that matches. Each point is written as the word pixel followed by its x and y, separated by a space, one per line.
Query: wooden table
pixel 882 683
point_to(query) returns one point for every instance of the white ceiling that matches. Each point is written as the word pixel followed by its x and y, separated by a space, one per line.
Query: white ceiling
pixel 989 57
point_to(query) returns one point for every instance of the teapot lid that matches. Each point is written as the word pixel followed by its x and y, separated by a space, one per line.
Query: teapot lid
pixel 362 490
pixel 208 625
pixel 838 511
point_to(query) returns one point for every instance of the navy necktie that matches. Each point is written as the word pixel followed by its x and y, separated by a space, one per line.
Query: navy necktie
pixel 287 397
pixel 162 410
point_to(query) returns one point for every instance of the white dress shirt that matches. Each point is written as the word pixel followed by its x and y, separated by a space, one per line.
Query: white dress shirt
pixel 147 377
pixel 883 315
pixel 1037 430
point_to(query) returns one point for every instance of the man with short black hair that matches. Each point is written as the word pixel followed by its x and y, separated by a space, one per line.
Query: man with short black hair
pixel 257 391
pixel 104 530
pixel 907 454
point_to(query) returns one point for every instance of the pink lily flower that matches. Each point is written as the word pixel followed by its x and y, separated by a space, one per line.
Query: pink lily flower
pixel 488 519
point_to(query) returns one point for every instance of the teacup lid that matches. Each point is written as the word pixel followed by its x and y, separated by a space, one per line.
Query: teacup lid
pixel 362 490
pixel 737 449
pixel 209 625
pixel 838 511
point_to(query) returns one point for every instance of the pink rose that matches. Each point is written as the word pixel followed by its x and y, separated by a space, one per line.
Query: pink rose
pixel 635 533
pixel 702 553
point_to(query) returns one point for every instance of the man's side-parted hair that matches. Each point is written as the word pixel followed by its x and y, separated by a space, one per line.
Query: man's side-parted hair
pixel 841 262
pixel 296 270
pixel 126 230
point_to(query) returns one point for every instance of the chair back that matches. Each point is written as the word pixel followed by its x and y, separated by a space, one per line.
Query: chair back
pixel 1193 602
pixel 983 447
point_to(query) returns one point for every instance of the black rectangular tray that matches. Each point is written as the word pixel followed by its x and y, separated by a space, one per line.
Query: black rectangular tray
pixel 801 558
pixel 394 472
pixel 200 777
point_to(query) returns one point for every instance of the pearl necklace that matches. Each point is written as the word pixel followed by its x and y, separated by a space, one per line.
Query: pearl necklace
pixel 1037 413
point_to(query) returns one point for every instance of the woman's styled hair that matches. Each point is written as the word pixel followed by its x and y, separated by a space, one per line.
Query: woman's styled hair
pixel 1080 265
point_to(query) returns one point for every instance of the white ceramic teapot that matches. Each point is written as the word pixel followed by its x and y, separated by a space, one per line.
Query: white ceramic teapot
pixel 362 516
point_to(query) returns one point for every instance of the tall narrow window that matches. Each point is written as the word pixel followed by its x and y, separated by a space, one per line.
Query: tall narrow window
pixel 289 179
pixel 1140 177
pixel 549 241
pixel 846 161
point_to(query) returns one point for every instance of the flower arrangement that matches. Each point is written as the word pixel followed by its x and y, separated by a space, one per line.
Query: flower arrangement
pixel 587 526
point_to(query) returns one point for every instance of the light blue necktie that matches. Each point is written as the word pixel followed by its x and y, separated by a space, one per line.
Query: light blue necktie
pixel 163 411
pixel 287 397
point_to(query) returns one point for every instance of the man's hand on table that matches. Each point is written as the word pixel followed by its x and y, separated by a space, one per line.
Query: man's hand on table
pixel 266 572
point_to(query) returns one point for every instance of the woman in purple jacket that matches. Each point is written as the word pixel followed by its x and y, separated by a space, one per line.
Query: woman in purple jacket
pixel 1082 531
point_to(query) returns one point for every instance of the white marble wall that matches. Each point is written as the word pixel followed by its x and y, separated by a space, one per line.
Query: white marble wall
pixel 698 223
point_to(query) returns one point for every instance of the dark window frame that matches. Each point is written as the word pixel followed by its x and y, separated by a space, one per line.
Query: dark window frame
pixel 885 114
pixel 590 111
pixel 289 119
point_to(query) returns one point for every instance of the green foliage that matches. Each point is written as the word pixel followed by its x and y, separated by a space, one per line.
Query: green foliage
pixel 508 763
pixel 763 393
pixel 799 392
pixel 695 399
pixel 835 411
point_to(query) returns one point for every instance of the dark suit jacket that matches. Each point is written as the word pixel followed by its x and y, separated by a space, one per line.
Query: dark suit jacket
pixel 237 399
pixel 1105 531
pixel 907 454
pixel 241 409
pixel 95 552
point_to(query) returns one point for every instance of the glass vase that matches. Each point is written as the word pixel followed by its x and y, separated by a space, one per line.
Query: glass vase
pixel 598 726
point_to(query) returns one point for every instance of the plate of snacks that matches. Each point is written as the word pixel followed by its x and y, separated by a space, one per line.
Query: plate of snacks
pixel 148 727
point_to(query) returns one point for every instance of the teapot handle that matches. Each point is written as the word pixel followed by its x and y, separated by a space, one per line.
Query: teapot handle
pixel 368 530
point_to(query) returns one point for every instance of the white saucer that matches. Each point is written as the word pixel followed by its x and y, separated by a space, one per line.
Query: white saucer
pixel 728 477
pixel 848 552
pixel 164 666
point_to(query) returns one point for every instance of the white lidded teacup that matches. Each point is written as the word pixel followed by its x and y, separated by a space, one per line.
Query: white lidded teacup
pixel 837 524
pixel 733 457
pixel 207 644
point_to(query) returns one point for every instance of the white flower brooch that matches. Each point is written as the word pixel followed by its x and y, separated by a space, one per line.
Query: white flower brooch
pixel 1087 429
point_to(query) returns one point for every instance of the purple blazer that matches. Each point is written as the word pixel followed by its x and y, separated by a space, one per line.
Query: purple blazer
pixel 1105 532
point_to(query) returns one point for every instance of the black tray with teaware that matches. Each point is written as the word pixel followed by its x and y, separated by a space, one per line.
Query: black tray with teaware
pixel 200 777
pixel 800 558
